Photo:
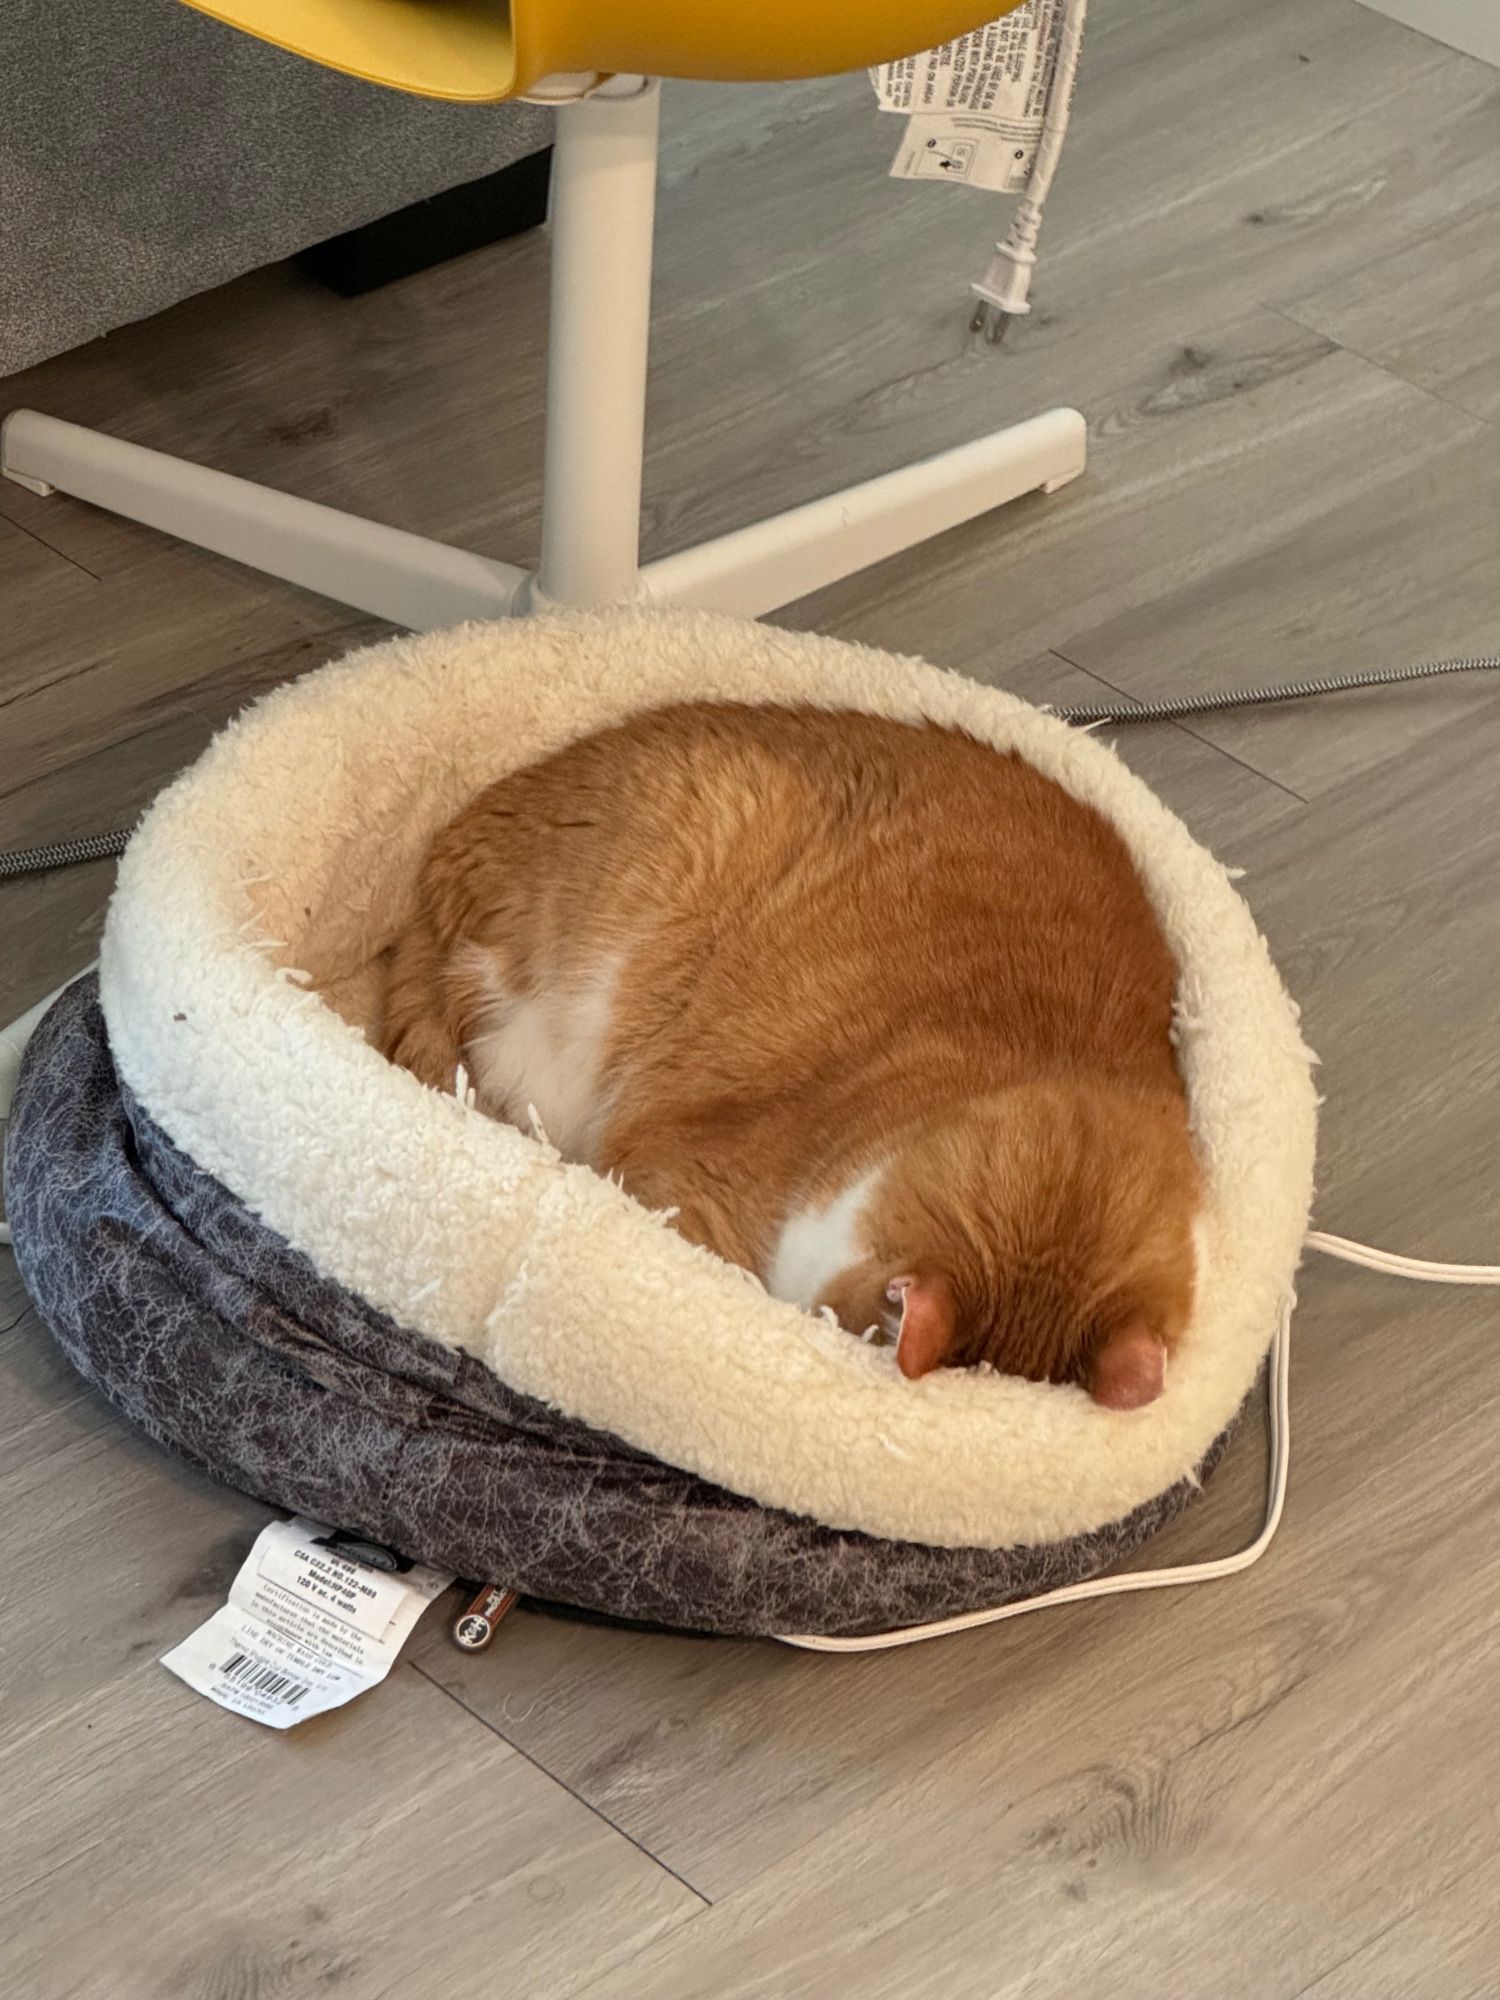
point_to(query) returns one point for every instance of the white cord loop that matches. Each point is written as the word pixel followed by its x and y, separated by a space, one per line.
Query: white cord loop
pixel 1392 1266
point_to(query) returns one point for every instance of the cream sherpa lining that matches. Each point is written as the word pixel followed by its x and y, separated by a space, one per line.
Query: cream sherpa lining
pixel 282 862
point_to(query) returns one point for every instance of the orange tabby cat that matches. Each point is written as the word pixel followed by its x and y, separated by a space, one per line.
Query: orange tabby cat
pixel 882 1013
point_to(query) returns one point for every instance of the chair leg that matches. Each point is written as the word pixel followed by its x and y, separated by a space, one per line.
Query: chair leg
pixel 756 569
pixel 411 581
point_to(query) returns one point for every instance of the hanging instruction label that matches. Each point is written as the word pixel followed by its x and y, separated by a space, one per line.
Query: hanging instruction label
pixel 975 106
pixel 306 1628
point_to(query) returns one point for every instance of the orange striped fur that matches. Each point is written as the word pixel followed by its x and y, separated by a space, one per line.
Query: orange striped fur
pixel 752 960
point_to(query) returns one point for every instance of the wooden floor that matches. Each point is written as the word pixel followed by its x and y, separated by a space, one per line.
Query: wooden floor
pixel 1273 283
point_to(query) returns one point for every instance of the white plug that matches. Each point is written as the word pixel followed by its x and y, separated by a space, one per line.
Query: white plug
pixel 1004 292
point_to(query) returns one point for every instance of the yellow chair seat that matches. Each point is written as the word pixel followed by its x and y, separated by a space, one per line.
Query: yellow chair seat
pixel 480 51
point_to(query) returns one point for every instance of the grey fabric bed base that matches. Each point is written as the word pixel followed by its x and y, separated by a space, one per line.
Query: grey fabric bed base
pixel 222 1342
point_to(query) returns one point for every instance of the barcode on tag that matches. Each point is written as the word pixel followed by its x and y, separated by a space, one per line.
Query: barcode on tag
pixel 263 1679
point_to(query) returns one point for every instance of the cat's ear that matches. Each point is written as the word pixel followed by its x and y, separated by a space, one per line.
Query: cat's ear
pixel 929 1319
pixel 1129 1368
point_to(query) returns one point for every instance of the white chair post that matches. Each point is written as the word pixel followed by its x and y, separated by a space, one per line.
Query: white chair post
pixel 603 208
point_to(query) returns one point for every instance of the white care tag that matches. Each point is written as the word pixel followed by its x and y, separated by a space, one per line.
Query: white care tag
pixel 976 105
pixel 305 1629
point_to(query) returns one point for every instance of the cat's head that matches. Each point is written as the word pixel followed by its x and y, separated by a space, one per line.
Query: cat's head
pixel 1047 1231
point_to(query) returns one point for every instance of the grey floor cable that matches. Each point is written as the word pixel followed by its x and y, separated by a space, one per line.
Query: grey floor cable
pixel 100 846
pixel 63 853
pixel 1127 710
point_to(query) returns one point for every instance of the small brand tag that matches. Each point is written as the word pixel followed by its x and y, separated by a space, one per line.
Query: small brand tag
pixel 976 105
pixel 474 1627
pixel 306 1627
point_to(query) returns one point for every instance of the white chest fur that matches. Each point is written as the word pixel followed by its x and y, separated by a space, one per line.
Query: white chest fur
pixel 546 1053
pixel 816 1244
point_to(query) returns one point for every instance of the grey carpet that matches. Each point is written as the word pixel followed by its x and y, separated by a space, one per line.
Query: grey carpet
pixel 148 152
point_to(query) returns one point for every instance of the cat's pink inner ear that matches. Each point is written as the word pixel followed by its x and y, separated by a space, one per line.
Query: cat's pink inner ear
pixel 1129 1369
pixel 928 1322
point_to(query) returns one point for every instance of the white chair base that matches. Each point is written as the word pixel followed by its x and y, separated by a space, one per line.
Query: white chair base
pixel 604 182
pixel 426 584
pixel 604 192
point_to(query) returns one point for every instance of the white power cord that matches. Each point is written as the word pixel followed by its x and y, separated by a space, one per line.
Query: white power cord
pixel 1394 1266
pixel 1004 292
pixel 1278 1395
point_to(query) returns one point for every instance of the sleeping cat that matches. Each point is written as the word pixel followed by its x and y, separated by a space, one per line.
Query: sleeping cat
pixel 881 1012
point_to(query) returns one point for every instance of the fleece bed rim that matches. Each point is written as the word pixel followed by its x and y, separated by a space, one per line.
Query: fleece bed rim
pixel 265 882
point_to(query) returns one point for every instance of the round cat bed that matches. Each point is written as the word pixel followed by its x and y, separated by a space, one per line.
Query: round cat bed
pixel 366 1301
